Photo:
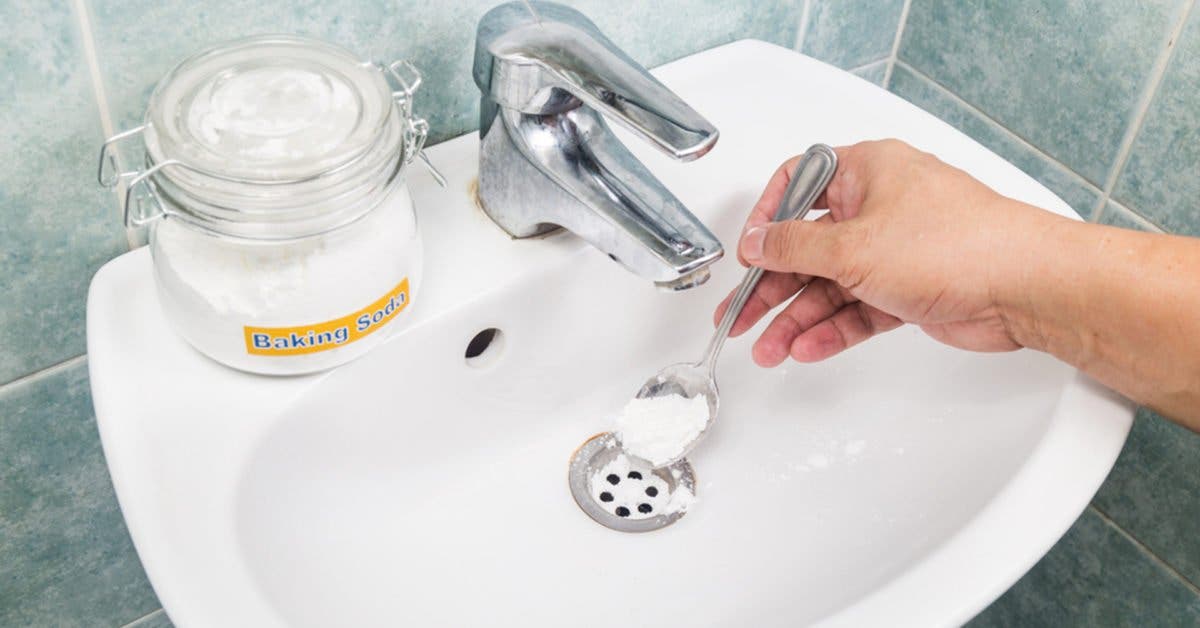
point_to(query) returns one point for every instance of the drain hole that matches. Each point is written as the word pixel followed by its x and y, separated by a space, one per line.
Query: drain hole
pixel 625 494
pixel 484 347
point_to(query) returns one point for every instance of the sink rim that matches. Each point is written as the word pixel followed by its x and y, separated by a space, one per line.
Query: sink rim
pixel 1079 446
pixel 1098 416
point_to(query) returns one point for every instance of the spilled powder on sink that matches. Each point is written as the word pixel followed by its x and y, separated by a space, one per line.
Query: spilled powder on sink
pixel 658 429
pixel 681 499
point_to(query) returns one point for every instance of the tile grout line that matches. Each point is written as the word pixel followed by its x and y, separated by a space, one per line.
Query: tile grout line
pixel 1135 217
pixel 53 369
pixel 958 100
pixel 134 623
pixel 868 64
pixel 1145 100
pixel 88 40
pixel 803 27
pixel 93 64
pixel 1146 550
pixel 895 53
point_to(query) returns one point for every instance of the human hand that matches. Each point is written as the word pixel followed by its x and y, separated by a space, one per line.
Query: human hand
pixel 908 239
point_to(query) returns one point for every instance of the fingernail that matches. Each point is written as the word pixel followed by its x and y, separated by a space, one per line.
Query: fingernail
pixel 752 243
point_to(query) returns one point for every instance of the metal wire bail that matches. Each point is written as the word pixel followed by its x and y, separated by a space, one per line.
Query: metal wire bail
pixel 139 192
pixel 142 190
pixel 108 157
pixel 407 79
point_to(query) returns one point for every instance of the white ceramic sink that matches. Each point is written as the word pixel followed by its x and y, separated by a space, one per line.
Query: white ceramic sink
pixel 902 483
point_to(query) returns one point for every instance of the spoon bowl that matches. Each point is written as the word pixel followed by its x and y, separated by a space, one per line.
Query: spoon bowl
pixel 687 380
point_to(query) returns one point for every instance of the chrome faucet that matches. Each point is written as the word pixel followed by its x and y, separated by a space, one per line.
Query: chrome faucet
pixel 547 158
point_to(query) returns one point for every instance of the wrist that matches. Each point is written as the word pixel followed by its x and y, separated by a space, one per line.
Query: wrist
pixel 1036 266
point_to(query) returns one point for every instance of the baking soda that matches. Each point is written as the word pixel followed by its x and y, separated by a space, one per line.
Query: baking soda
pixel 659 429
pixel 214 288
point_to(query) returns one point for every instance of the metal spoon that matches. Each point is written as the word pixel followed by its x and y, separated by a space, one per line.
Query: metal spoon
pixel 812 175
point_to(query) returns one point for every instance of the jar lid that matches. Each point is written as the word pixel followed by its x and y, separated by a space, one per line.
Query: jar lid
pixel 268 109
pixel 271 137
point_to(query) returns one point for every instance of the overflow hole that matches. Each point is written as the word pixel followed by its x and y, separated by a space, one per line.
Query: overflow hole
pixel 484 347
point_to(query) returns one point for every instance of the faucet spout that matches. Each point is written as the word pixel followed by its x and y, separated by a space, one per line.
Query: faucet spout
pixel 548 159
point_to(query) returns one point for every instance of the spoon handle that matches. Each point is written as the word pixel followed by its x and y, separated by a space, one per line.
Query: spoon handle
pixel 812 175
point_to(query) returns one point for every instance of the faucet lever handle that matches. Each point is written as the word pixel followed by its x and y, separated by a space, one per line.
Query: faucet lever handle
pixel 527 53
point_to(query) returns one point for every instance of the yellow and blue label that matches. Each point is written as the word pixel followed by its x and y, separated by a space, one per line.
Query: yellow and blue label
pixel 302 339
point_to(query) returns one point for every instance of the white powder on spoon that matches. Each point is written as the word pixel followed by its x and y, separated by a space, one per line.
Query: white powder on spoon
pixel 658 429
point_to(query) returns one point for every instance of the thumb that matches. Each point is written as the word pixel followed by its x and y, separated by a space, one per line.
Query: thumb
pixel 809 247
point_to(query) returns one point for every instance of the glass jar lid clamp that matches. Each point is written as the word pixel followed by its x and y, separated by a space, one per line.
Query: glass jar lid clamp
pixel 143 204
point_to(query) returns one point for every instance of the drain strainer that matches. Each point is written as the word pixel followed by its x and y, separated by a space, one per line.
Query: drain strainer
pixel 625 494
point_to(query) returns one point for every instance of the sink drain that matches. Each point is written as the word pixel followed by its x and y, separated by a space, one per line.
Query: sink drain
pixel 624 494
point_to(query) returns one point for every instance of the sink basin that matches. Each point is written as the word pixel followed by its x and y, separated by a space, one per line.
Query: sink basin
pixel 902 482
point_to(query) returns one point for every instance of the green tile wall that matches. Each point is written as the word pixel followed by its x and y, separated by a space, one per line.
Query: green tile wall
pixel 67 559
pixel 850 33
pixel 1003 55
pixel 1095 576
pixel 919 90
pixel 1161 179
pixel 53 236
pixel 1154 491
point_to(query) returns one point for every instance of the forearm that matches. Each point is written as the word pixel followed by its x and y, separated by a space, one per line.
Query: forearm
pixel 1120 305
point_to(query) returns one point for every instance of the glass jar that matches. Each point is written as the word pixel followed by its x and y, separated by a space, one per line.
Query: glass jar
pixel 281 228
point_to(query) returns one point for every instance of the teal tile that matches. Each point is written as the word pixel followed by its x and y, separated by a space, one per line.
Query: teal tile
pixel 930 97
pixel 139 40
pixel 1160 181
pixel 654 33
pixel 58 225
pixel 873 72
pixel 1117 215
pixel 157 619
pixel 1094 576
pixel 67 558
pixel 1064 75
pixel 1154 491
pixel 850 33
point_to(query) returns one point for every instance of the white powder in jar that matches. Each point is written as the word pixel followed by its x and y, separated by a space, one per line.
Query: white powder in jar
pixel 212 287
pixel 273 114
pixel 658 429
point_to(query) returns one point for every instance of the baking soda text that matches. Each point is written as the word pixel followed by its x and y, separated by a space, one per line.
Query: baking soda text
pixel 281 341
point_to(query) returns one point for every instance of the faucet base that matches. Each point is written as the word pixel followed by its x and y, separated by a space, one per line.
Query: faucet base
pixel 539 173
